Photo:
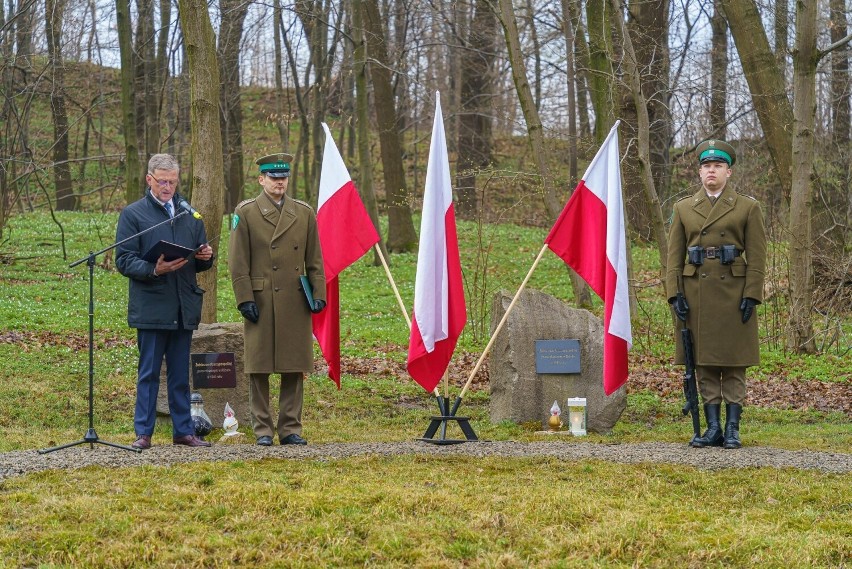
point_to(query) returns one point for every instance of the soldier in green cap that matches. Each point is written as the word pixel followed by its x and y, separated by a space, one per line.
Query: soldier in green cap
pixel 274 242
pixel 717 250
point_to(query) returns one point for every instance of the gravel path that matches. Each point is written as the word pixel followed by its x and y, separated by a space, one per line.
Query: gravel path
pixel 18 463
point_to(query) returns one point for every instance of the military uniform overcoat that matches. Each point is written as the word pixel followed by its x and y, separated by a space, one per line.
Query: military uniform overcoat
pixel 268 251
pixel 714 291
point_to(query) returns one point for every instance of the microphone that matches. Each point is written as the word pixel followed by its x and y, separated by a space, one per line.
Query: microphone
pixel 183 204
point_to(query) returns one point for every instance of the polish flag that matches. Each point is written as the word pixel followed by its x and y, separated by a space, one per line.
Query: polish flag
pixel 345 233
pixel 589 237
pixel 439 308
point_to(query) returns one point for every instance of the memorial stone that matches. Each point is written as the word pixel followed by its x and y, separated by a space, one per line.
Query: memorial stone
pixel 218 337
pixel 518 392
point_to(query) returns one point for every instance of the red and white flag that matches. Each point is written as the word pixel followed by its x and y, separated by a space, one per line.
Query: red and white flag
pixel 439 308
pixel 589 237
pixel 345 233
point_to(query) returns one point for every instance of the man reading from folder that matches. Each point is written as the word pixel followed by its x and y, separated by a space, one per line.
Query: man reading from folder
pixel 165 299
pixel 274 242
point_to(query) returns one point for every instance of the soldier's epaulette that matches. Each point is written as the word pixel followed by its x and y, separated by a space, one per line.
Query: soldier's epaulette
pixel 749 197
pixel 306 204
pixel 244 202
pixel 683 198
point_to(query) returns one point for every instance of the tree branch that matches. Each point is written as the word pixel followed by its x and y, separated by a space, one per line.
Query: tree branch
pixel 838 44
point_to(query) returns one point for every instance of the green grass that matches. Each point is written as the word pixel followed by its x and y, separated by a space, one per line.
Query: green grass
pixel 402 511
pixel 426 512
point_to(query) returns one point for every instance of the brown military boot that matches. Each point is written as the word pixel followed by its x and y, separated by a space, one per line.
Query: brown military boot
pixel 732 425
pixel 712 437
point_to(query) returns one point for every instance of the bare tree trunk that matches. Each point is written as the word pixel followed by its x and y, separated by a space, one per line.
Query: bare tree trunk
pixel 631 74
pixel 648 29
pixel 536 54
pixel 571 81
pixel 719 71
pixel 582 67
pixel 801 332
pixel 840 88
pixel 316 21
pixel 401 234
pixel 582 296
pixel 132 165
pixel 781 26
pixel 148 107
pixel 362 121
pixel 600 76
pixel 65 199
pixel 207 169
pixel 831 208
pixel 477 93
pixel 282 120
pixel 232 16
pixel 766 84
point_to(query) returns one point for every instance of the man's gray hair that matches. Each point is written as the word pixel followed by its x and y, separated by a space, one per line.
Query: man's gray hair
pixel 162 162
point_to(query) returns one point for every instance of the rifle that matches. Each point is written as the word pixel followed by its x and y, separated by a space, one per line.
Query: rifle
pixel 690 389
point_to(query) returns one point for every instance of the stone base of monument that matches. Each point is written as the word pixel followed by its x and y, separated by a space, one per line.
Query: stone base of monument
pixel 216 338
pixel 518 392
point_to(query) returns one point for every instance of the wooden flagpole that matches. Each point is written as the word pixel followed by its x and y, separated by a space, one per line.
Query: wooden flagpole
pixel 398 298
pixel 497 330
pixel 393 285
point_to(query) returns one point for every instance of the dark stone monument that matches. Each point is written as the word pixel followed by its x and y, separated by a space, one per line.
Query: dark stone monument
pixel 217 338
pixel 519 392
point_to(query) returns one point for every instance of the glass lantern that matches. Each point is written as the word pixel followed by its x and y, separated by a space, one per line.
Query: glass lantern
pixel 200 420
pixel 576 415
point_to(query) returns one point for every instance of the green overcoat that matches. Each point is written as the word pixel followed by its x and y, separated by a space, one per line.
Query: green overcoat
pixel 714 291
pixel 269 250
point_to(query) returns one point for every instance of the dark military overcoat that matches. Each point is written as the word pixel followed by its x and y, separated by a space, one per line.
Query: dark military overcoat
pixel 714 291
pixel 269 250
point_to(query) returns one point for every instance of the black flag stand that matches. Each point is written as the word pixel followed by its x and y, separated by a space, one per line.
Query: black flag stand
pixel 441 421
pixel 91 436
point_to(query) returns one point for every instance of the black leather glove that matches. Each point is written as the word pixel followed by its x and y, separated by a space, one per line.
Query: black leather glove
pixel 249 311
pixel 680 306
pixel 747 307
pixel 319 305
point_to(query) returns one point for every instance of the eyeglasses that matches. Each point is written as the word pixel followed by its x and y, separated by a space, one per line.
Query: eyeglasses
pixel 164 183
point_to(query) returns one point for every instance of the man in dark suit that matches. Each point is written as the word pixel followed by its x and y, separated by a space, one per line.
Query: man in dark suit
pixel 717 246
pixel 164 299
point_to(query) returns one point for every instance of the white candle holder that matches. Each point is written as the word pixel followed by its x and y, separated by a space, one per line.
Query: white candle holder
pixel 576 415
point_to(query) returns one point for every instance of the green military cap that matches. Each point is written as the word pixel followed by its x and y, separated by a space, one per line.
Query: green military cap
pixel 715 150
pixel 275 165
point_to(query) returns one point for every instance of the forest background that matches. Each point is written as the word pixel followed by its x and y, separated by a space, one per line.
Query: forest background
pixel 529 89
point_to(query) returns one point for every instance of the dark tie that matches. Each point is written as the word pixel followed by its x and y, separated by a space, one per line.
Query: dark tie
pixel 712 201
pixel 169 209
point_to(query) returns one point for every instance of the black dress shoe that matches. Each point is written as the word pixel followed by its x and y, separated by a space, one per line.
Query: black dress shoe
pixel 264 441
pixel 190 441
pixel 293 439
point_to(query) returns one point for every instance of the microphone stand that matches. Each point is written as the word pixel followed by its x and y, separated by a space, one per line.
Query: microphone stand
pixel 91 436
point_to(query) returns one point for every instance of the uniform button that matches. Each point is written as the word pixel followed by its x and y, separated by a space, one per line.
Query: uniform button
pixel 723 277
pixel 274 268
pixel 703 276
pixel 276 289
pixel 275 246
pixel 722 234
pixel 703 233
pixel 295 247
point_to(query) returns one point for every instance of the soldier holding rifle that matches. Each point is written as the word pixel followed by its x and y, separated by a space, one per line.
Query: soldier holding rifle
pixel 717 245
